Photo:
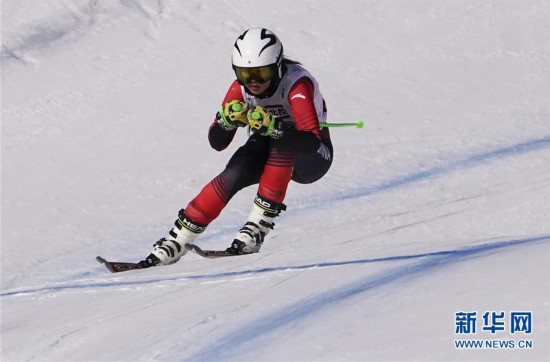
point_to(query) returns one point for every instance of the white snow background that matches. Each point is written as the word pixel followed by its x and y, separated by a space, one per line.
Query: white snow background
pixel 440 204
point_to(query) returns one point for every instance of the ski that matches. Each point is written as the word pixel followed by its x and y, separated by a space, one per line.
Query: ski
pixel 116 267
pixel 210 254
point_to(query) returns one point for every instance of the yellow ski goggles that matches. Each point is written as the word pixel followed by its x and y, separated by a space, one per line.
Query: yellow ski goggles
pixel 260 74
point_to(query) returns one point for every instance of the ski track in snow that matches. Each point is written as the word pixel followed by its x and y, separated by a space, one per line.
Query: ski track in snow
pixel 446 256
pixel 230 345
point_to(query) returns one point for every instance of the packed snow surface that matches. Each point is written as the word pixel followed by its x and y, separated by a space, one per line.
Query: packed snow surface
pixel 439 205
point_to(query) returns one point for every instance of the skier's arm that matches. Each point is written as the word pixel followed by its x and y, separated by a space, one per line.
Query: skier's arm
pixel 306 137
pixel 218 137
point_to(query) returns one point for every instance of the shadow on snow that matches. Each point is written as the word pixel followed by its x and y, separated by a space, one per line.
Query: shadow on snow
pixel 227 346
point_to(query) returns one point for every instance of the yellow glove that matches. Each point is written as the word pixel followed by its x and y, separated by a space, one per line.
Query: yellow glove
pixel 233 114
pixel 263 122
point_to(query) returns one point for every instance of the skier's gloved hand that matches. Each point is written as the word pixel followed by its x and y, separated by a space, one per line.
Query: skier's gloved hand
pixel 232 115
pixel 262 121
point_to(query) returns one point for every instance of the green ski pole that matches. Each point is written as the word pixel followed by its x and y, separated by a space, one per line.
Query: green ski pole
pixel 358 124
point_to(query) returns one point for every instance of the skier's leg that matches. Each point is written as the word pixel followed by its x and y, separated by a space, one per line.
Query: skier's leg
pixel 243 169
pixel 310 167
pixel 268 202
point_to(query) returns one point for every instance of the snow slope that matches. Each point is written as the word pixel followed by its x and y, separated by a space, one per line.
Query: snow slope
pixel 440 204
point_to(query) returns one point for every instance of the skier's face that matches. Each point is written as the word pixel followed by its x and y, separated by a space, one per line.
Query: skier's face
pixel 257 88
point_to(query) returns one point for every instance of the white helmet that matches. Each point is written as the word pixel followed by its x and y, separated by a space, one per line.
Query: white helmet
pixel 258 47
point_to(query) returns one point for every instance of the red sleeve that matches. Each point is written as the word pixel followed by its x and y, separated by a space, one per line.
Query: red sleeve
pixel 303 110
pixel 234 93
pixel 218 137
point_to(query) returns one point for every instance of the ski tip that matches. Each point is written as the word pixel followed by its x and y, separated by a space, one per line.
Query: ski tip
pixel 115 267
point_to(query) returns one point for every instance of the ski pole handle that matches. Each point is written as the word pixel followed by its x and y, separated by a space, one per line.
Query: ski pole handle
pixel 358 124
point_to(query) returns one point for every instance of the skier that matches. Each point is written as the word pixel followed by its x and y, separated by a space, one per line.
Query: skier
pixel 280 101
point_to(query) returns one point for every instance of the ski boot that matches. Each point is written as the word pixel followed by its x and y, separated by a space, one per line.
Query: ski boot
pixel 251 236
pixel 169 250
